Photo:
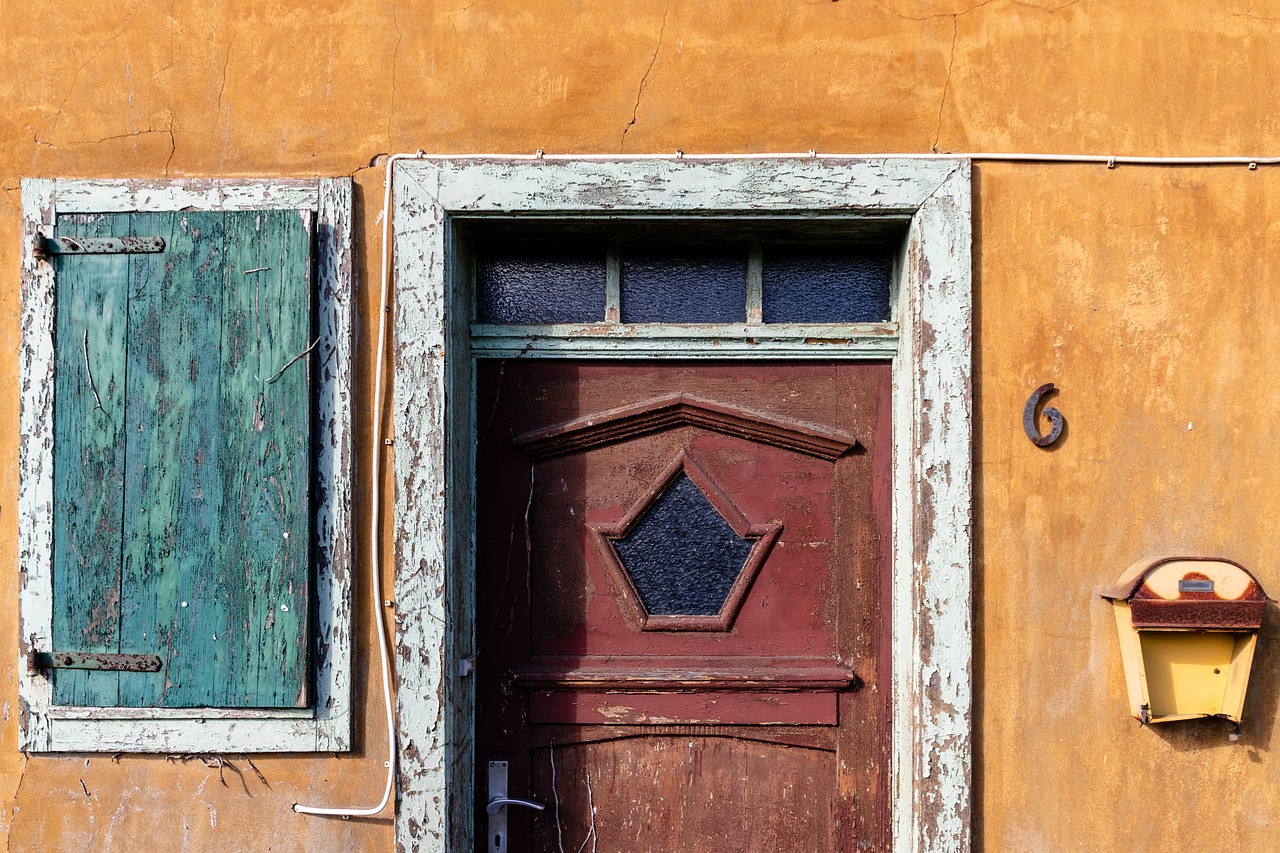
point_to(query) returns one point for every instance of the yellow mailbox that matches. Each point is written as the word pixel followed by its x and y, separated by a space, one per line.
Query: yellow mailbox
pixel 1188 627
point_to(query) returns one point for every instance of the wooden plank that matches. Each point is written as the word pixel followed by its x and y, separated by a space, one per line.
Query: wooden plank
pixel 698 793
pixel 264 413
pixel 157 411
pixel 932 584
pixel 672 186
pixel 332 443
pixel 429 782
pixel 36 364
pixel 755 283
pixel 92 319
pixel 613 284
pixel 198 660
pixel 103 195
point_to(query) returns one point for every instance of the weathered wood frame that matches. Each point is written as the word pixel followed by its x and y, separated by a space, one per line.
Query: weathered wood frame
pixel 929 342
pixel 327 725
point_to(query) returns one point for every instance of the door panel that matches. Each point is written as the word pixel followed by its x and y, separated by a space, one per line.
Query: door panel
pixel 670 802
pixel 679 588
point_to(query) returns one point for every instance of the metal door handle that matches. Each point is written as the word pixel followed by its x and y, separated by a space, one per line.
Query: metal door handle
pixel 501 802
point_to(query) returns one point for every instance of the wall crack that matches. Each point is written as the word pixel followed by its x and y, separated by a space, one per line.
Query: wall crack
pixel 946 86
pixel 6 828
pixel 226 61
pixel 395 58
pixel 173 148
pixel 644 79
pixel 1023 3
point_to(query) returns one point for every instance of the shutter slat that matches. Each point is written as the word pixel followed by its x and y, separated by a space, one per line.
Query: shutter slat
pixel 157 413
pixel 88 455
pixel 266 323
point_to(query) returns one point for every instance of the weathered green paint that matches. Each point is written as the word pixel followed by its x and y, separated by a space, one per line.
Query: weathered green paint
pixel 210 506
pixel 89 464
pixel 266 322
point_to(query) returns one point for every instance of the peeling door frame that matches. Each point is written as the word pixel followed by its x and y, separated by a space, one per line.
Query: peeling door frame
pixel 932 423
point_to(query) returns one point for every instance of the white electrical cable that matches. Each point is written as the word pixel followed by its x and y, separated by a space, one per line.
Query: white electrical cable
pixel 984 157
pixel 375 513
pixel 375 510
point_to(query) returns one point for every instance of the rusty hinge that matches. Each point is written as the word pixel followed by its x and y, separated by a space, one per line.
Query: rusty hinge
pixel 46 246
pixel 37 661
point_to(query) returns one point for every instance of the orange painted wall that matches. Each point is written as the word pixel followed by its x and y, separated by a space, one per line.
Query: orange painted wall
pixel 1146 294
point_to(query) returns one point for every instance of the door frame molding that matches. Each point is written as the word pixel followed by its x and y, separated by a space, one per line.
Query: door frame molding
pixel 928 340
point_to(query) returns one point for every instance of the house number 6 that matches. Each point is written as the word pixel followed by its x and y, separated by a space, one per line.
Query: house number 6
pixel 1029 418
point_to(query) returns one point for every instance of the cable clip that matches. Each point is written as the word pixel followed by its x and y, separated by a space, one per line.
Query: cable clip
pixel 1111 162
pixel 539 154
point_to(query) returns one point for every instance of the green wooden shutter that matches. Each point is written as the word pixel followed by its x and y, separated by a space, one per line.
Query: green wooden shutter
pixel 182 459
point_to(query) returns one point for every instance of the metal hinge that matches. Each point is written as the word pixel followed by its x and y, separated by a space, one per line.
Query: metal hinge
pixel 46 246
pixel 38 661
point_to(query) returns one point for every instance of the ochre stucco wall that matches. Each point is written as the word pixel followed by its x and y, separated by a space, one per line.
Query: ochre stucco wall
pixel 1144 293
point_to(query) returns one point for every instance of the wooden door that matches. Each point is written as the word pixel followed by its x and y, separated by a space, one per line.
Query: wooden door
pixel 681 581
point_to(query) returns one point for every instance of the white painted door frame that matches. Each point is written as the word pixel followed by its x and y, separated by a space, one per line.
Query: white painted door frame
pixel 931 623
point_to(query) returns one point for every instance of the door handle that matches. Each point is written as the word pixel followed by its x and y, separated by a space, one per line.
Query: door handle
pixel 502 802
pixel 497 807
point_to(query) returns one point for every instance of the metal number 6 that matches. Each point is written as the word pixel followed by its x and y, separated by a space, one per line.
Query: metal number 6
pixel 1029 418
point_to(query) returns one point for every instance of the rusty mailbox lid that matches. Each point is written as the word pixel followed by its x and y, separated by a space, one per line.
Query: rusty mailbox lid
pixel 1190 594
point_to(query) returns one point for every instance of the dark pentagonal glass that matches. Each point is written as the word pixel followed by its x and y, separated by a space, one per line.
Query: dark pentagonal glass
pixel 682 556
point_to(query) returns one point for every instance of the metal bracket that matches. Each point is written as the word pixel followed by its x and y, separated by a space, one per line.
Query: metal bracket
pixel 47 246
pixel 39 661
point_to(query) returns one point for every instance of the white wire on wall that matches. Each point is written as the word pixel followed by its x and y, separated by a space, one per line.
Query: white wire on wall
pixel 375 491
pixel 375 519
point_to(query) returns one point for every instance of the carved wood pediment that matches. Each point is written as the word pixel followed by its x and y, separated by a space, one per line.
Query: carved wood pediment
pixel 680 409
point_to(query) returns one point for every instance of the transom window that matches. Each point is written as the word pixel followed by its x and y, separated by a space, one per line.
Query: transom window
pixel 632 272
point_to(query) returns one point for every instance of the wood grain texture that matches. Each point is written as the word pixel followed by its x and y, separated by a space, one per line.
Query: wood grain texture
pixel 89 460
pixel 699 793
pixel 809 621
pixel 36 367
pixel 333 445
pixel 265 426
pixel 159 196
pixel 422 519
pixel 865 185
pixel 932 573
pixel 597 340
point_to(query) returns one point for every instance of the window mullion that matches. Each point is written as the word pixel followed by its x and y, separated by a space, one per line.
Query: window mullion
pixel 613 284
pixel 755 283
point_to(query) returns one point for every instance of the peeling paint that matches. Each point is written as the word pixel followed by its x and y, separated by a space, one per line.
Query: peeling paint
pixel 932 625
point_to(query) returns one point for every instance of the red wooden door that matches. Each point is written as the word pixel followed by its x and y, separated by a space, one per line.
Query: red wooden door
pixel 681 599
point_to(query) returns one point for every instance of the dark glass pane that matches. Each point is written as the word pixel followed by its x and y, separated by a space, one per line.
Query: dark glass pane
pixel 532 289
pixel 686 288
pixel 683 557
pixel 825 286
